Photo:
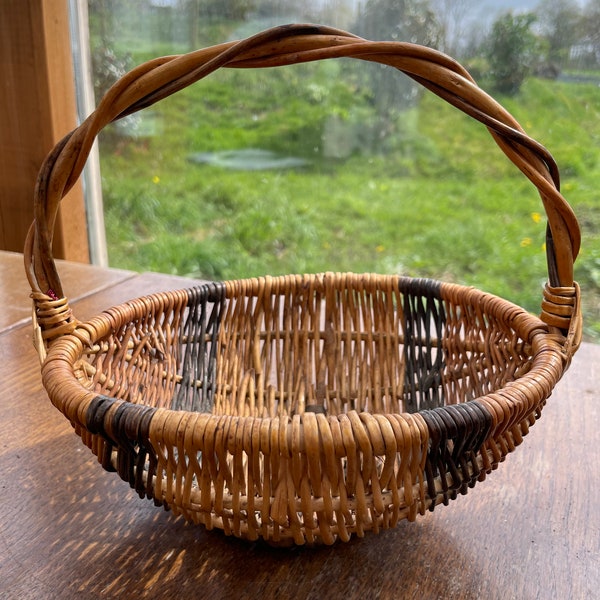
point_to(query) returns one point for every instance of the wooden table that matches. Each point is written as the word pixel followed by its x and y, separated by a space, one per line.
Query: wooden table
pixel 68 529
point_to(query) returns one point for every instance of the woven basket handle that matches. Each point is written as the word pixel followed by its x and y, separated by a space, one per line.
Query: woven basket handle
pixel 159 78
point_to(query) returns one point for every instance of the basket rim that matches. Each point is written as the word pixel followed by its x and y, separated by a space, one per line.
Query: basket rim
pixel 548 357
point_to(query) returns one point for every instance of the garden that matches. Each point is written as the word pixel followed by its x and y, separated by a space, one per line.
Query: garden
pixel 304 169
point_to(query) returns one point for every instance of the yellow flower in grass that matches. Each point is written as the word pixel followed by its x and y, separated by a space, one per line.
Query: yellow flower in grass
pixel 380 248
pixel 525 242
pixel 156 180
pixel 536 217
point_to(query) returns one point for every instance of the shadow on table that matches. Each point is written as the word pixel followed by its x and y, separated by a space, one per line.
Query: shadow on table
pixel 91 536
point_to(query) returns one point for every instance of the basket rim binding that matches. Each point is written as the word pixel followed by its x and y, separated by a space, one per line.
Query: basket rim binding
pixel 495 423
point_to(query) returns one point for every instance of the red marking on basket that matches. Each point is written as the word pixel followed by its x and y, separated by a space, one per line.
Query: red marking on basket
pixel 52 294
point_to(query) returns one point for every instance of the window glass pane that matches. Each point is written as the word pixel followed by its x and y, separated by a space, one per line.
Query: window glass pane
pixel 344 165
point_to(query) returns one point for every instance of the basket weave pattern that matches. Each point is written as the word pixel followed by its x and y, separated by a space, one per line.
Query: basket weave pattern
pixel 304 407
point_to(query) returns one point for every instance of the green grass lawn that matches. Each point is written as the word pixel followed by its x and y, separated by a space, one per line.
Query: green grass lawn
pixel 433 197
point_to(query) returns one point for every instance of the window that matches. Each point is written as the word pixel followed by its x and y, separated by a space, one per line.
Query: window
pixel 342 165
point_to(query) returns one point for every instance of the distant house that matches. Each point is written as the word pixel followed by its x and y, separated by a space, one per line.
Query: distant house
pixel 585 52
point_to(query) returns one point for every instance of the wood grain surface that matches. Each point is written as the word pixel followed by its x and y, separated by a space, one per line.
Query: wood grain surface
pixel 68 529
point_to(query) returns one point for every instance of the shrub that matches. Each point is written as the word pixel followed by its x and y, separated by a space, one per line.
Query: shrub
pixel 511 51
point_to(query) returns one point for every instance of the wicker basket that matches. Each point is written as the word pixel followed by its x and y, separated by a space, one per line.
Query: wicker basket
pixel 313 407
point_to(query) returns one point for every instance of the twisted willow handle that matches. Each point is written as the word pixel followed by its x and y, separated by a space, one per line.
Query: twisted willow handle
pixel 285 45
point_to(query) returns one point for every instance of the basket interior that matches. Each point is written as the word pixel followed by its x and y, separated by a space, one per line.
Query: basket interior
pixel 330 343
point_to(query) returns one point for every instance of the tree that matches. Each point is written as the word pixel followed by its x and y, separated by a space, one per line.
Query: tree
pixel 454 25
pixel 591 18
pixel 511 51
pixel 591 29
pixel 402 21
pixel 560 24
